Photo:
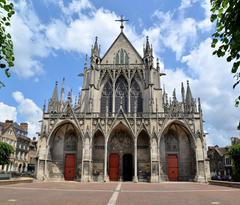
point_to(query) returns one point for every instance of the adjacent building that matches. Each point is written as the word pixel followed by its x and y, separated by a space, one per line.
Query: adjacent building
pixel 16 135
pixel 123 126
pixel 220 162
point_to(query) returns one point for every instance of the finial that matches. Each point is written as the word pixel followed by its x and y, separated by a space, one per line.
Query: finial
pixel 85 64
pixel 174 95
pixel 122 20
pixel 44 106
pixel 158 67
pixel 183 92
pixel 164 89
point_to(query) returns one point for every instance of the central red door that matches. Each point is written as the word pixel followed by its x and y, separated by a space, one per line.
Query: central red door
pixel 114 167
pixel 172 167
pixel 70 167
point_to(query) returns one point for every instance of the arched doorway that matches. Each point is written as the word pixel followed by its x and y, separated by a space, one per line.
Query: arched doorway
pixel 127 164
pixel 177 154
pixel 143 157
pixel 66 153
pixel 98 156
pixel 120 154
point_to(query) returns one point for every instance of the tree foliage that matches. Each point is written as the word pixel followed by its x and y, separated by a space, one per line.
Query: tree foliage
pixel 6 45
pixel 226 39
pixel 5 151
pixel 234 152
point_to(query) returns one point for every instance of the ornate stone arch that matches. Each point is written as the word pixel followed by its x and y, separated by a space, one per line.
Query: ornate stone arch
pixel 64 139
pixel 143 156
pixel 182 124
pixel 98 153
pixel 116 124
pixel 59 124
pixel 177 141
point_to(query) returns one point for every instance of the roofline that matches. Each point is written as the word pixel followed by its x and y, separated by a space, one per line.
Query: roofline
pixel 122 33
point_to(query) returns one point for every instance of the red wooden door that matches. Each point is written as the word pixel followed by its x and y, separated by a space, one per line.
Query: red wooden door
pixel 172 167
pixel 70 167
pixel 114 167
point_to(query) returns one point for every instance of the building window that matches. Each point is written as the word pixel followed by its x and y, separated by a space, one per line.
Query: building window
pixel 136 97
pixel 121 97
pixel 122 57
pixel 228 161
pixel 106 99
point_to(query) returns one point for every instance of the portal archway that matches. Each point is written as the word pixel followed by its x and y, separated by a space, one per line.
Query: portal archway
pixel 143 157
pixel 98 156
pixel 65 153
pixel 120 154
pixel 177 154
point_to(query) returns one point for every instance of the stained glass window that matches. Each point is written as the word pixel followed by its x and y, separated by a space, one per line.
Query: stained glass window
pixel 122 57
pixel 136 97
pixel 121 94
pixel 106 99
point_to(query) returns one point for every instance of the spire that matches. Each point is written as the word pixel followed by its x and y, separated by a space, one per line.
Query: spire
pixel 174 95
pixel 95 55
pixel 199 106
pixel 76 100
pixel 62 91
pixel 86 61
pixel 158 67
pixel 96 43
pixel 79 97
pixel 147 45
pixel 70 96
pixel 183 92
pixel 189 102
pixel 147 54
pixel 44 106
pixel 189 98
pixel 55 93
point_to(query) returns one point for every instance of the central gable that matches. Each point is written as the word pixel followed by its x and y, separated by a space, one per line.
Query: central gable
pixel 122 42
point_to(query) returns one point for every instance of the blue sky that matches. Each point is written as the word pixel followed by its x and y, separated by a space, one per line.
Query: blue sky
pixel 51 38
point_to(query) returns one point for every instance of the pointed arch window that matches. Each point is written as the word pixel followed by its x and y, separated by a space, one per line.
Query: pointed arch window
pixel 136 97
pixel 122 57
pixel 172 143
pixel 106 98
pixel 121 97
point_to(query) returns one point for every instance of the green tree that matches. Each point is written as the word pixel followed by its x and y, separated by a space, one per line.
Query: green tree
pixel 226 39
pixel 6 45
pixel 5 151
pixel 234 152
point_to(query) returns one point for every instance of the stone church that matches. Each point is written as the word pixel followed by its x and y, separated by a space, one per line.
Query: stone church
pixel 123 126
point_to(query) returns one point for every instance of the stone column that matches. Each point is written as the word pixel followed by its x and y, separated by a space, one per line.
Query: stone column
pixel 105 162
pixel 135 179
pixel 86 161
pixel 113 98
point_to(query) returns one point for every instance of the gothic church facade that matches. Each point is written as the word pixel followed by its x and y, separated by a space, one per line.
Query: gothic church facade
pixel 123 126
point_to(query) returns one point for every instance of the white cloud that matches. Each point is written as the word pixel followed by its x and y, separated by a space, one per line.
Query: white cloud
pixel 186 3
pixel 7 112
pixel 213 83
pixel 205 24
pixel 28 38
pixel 176 34
pixel 29 111
pixel 75 6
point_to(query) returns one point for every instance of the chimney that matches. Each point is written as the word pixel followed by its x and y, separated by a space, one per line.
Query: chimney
pixel 24 126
